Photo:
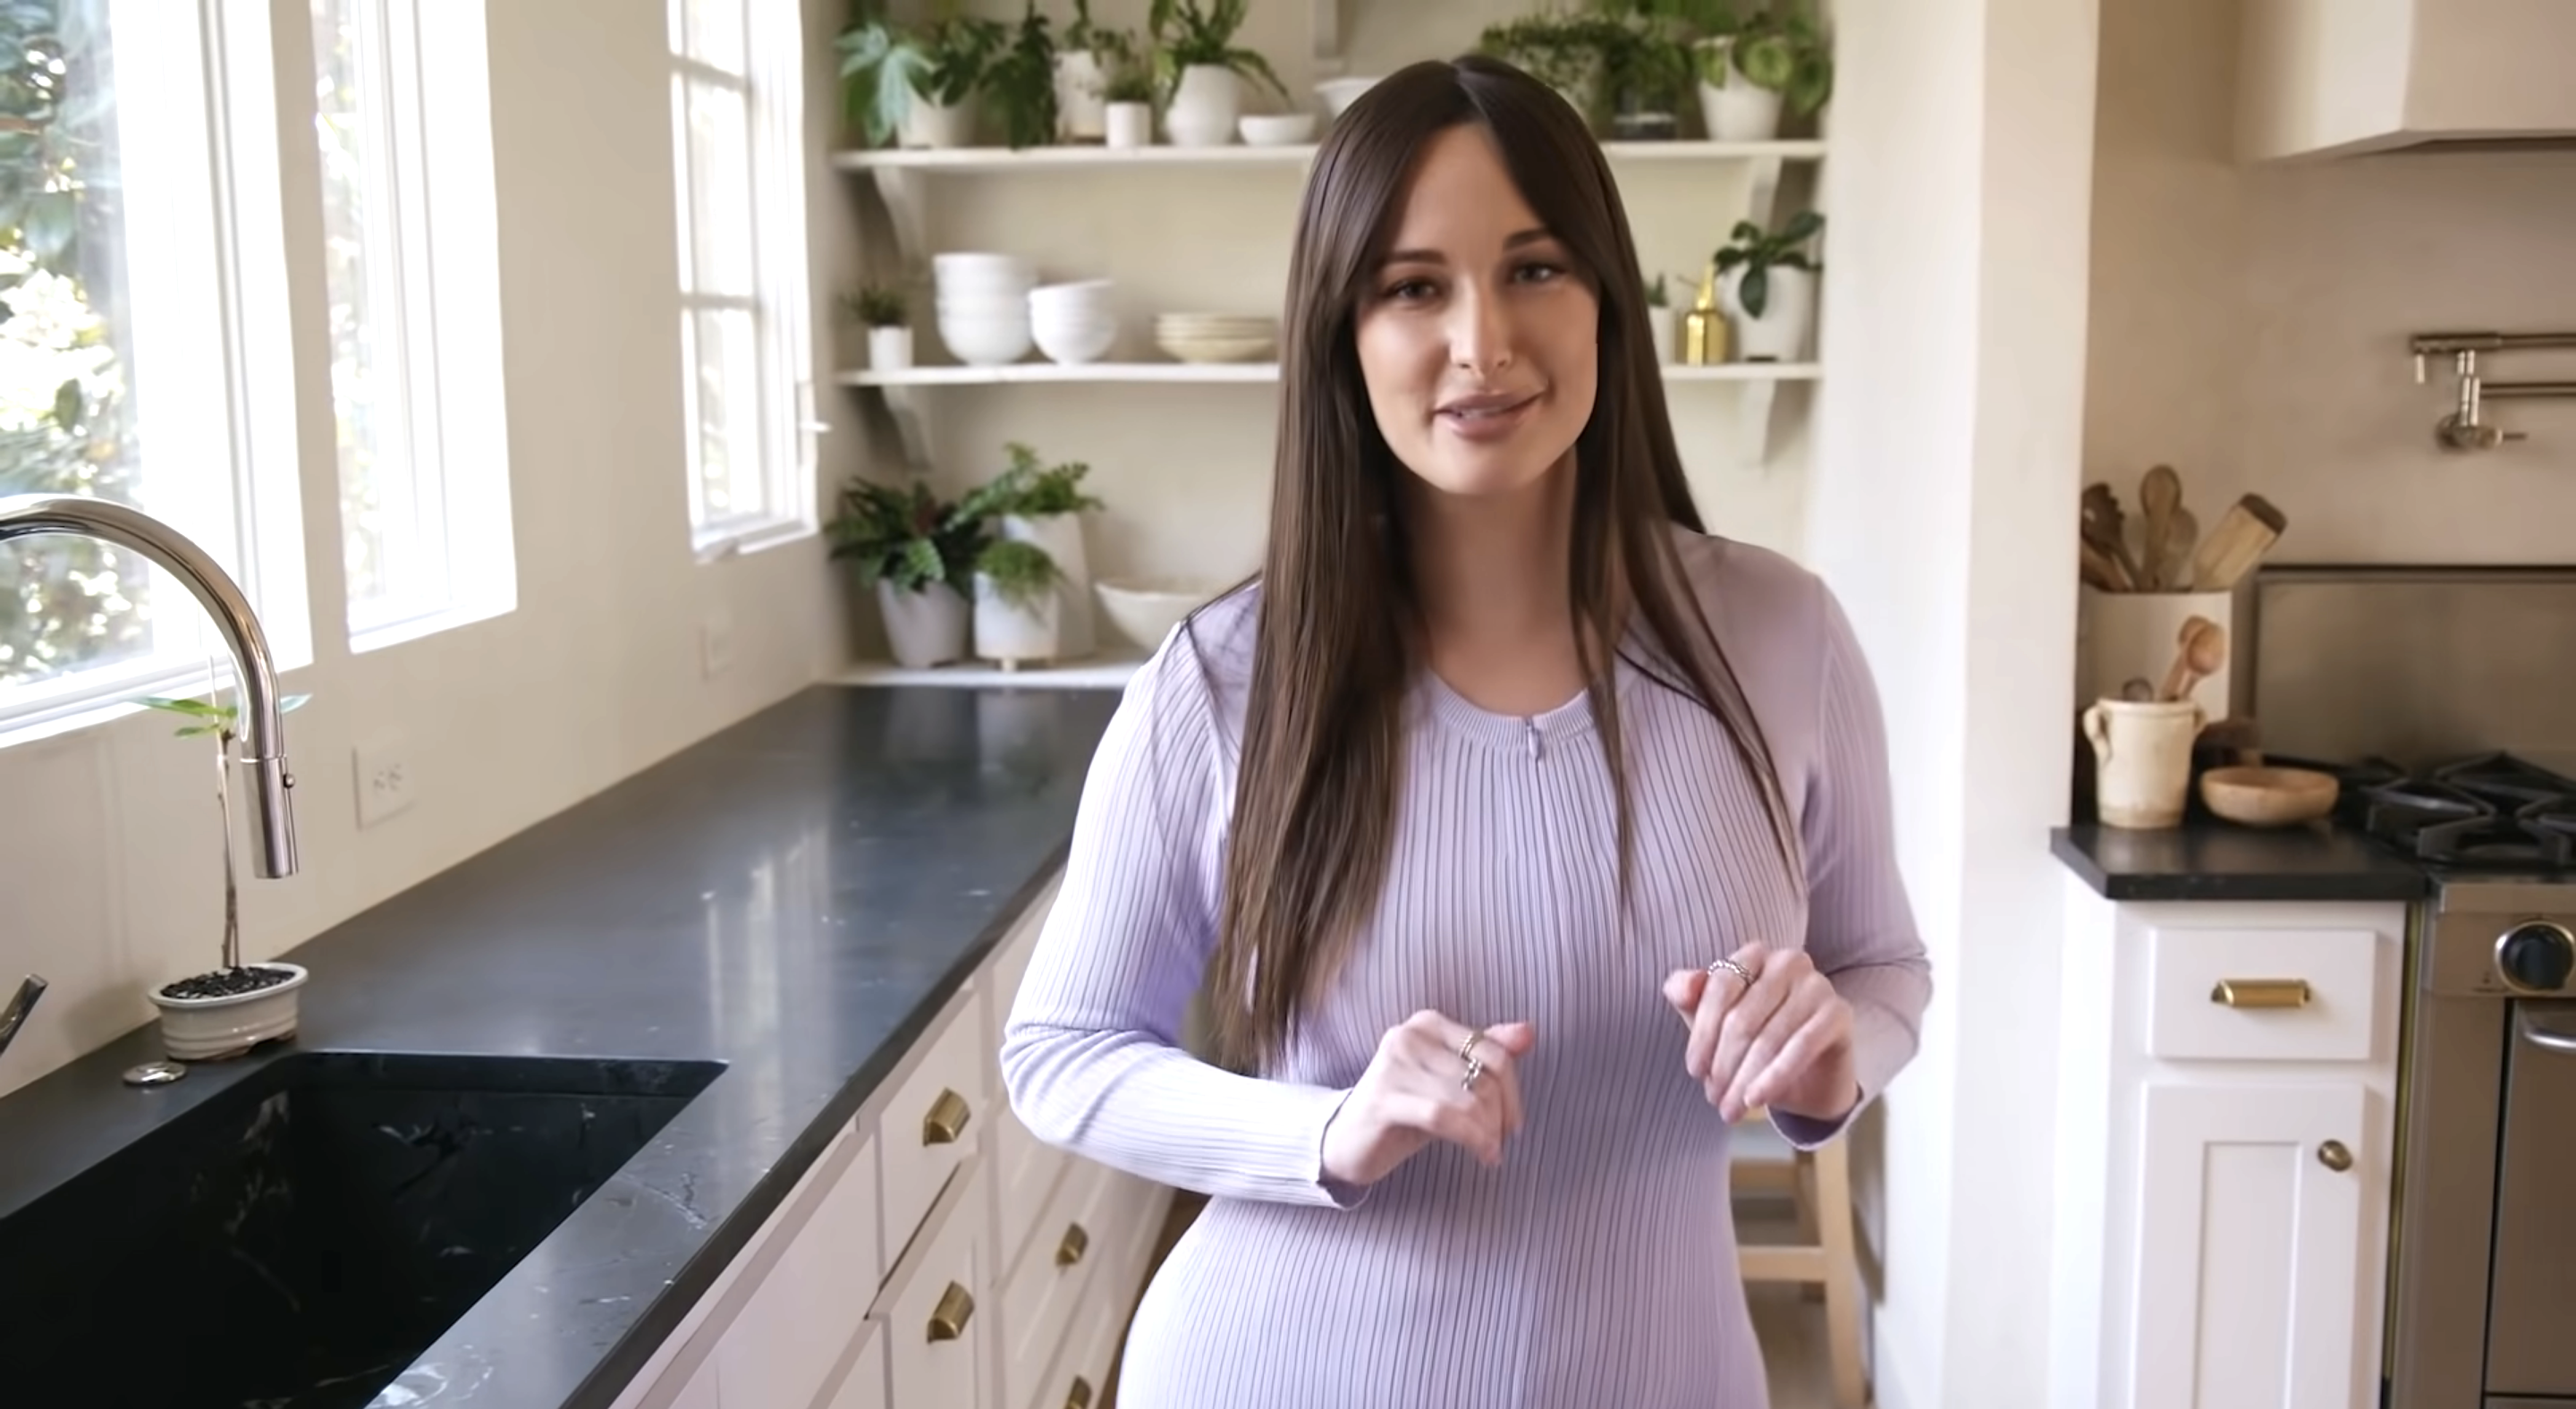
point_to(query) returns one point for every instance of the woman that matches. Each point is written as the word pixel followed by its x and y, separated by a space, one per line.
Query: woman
pixel 1511 822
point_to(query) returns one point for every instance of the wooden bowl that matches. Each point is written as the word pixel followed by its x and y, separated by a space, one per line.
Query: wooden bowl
pixel 2269 797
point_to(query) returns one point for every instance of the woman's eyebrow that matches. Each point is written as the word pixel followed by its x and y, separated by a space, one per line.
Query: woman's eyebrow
pixel 1531 236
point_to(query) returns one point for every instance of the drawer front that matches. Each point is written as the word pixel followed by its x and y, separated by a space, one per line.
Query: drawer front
pixel 936 1315
pixel 2262 995
pixel 1047 1282
pixel 1027 1170
pixel 1089 1352
pixel 1002 975
pixel 810 1303
pixel 929 1125
pixel 865 1386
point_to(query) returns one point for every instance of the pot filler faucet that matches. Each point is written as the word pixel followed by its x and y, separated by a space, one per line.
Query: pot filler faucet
pixel 264 731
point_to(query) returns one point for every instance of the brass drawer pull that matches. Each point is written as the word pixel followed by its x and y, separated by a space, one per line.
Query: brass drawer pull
pixel 948 1319
pixel 2334 1156
pixel 1076 1243
pixel 2261 992
pixel 947 1119
pixel 1078 1397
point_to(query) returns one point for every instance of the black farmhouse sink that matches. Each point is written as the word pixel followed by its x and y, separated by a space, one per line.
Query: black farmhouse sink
pixel 298 1240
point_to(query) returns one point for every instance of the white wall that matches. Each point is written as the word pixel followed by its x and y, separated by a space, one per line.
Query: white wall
pixel 107 850
pixel 1939 510
pixel 2250 324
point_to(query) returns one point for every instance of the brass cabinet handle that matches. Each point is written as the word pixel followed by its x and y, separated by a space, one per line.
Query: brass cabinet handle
pixel 1078 1397
pixel 946 1120
pixel 2334 1156
pixel 948 1319
pixel 2261 992
pixel 1076 1243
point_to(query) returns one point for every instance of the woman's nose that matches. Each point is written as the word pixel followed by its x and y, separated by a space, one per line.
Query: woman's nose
pixel 1480 334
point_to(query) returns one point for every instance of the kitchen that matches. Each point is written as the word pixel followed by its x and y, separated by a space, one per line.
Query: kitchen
pixel 2036 259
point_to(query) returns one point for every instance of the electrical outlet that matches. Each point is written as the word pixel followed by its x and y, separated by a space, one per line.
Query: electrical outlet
pixel 715 643
pixel 384 779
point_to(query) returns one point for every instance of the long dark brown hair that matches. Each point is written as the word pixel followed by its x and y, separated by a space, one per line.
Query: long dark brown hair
pixel 1336 653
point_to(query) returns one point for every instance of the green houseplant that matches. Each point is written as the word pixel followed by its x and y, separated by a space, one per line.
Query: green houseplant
pixel 916 83
pixel 917 552
pixel 1768 287
pixel 882 311
pixel 1776 56
pixel 1088 60
pixel 1195 51
pixel 1569 52
pixel 1018 607
pixel 1021 82
pixel 1033 502
pixel 225 1011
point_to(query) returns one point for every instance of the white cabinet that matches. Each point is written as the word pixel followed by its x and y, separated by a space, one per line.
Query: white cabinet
pixel 2225 1115
pixel 2328 76
pixel 935 1257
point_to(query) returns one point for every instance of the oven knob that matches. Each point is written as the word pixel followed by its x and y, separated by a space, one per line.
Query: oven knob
pixel 2537 957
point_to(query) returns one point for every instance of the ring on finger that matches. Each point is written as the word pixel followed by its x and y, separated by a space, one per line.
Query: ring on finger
pixel 1729 966
pixel 1467 1048
pixel 1475 1068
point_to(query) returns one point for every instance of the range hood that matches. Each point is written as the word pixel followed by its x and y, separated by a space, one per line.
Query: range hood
pixel 2322 78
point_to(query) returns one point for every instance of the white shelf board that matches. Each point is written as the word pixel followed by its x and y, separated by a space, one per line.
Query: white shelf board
pixel 1109 672
pixel 966 160
pixel 1237 372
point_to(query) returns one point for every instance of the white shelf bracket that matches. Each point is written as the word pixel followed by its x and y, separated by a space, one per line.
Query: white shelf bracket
pixel 1764 192
pixel 1328 37
pixel 901 190
pixel 1753 416
pixel 904 404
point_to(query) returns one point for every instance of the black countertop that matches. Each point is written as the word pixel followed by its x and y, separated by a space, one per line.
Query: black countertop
pixel 2212 860
pixel 795 897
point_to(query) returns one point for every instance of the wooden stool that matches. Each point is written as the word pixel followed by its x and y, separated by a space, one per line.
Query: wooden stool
pixel 1818 1184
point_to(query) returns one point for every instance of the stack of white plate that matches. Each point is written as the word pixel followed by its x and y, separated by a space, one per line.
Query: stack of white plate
pixel 1073 323
pixel 984 306
pixel 1217 337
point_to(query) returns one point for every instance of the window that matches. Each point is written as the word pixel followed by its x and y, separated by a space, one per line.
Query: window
pixel 736 123
pixel 143 345
pixel 402 116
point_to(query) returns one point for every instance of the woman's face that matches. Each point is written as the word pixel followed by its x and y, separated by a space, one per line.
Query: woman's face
pixel 1476 337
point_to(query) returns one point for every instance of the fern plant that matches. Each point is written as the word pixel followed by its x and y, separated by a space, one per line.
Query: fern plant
pixel 1191 34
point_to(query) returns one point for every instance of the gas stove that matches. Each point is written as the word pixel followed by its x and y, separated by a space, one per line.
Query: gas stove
pixel 2487 815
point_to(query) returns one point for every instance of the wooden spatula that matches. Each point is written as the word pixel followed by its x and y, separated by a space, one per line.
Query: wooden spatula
pixel 2239 542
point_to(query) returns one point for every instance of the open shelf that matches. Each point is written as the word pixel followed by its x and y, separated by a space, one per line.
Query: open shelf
pixel 1211 373
pixel 990 160
pixel 1109 671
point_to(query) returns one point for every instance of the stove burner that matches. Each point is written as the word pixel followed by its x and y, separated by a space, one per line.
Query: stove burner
pixel 2489 812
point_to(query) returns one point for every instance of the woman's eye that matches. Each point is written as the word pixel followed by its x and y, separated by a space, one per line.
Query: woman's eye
pixel 1408 290
pixel 1541 273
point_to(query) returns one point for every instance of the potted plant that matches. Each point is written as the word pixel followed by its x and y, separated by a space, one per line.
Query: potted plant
pixel 1089 58
pixel 918 554
pixel 1647 64
pixel 1020 82
pixel 915 86
pixel 1567 52
pixel 1018 609
pixel 1661 320
pixel 1748 72
pixel 1194 42
pixel 1032 502
pixel 1768 284
pixel 226 1011
pixel 882 311
pixel 1128 120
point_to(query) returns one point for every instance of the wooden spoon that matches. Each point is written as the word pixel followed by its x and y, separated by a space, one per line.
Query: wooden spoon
pixel 2173 574
pixel 2202 653
pixel 2102 528
pixel 2159 494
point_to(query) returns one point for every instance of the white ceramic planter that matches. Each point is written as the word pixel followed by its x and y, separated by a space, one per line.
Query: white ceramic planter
pixel 212 1029
pixel 1081 98
pixel 937 125
pixel 1204 107
pixel 889 349
pixel 1736 110
pixel 1011 633
pixel 1786 328
pixel 1130 124
pixel 924 628
pixel 1664 325
pixel 1060 535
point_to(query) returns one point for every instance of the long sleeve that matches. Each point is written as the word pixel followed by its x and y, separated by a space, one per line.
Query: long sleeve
pixel 1860 926
pixel 1091 1052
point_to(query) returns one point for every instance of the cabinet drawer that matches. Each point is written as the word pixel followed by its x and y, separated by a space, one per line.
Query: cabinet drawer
pixel 934 1314
pixel 865 1386
pixel 1090 1351
pixel 1001 982
pixel 1046 1283
pixel 929 1124
pixel 2265 995
pixel 807 1306
pixel 1026 1170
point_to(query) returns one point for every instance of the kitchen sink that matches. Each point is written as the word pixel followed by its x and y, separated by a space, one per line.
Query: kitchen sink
pixel 298 1239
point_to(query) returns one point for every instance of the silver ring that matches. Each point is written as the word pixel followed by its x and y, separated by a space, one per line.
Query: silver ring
pixel 1729 966
pixel 1475 1068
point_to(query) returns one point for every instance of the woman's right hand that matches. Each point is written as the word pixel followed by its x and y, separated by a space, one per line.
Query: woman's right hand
pixel 1414 1092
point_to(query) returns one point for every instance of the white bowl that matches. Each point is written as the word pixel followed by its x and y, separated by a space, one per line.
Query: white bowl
pixel 201 1029
pixel 1276 129
pixel 979 269
pixel 1082 291
pixel 1340 93
pixel 1074 343
pixel 1145 609
pixel 983 342
pixel 982 305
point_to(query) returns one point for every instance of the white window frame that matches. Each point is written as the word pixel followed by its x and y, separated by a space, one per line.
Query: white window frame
pixel 210 345
pixel 773 79
pixel 432 266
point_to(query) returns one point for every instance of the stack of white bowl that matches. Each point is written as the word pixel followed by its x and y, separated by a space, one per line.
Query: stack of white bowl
pixel 983 305
pixel 1073 323
pixel 1217 337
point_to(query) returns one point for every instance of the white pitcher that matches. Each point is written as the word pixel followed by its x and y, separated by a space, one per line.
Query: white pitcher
pixel 2142 759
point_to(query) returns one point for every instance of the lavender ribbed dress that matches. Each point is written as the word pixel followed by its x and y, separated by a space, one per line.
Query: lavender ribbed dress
pixel 1597 1265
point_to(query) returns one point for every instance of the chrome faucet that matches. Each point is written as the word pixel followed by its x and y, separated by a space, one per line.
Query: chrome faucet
pixel 14 1016
pixel 264 729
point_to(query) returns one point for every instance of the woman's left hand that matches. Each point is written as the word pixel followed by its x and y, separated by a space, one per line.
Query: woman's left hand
pixel 1783 1041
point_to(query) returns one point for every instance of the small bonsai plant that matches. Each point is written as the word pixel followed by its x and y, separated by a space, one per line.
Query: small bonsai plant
pixel 1021 574
pixel 1782 49
pixel 1131 82
pixel 1190 34
pixel 885 66
pixel 232 978
pixel 1757 252
pixel 910 539
pixel 876 306
pixel 1020 81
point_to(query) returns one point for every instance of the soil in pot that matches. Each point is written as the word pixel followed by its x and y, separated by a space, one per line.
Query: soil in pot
pixel 226 983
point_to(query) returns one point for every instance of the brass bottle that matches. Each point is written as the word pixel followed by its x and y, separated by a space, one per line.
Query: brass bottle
pixel 1703 327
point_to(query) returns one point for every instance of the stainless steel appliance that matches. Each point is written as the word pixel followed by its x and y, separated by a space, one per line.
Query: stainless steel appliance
pixel 2447 702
